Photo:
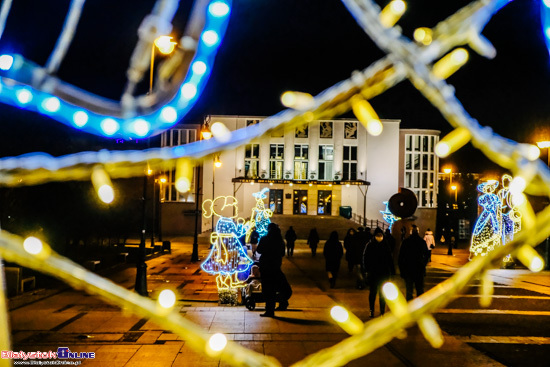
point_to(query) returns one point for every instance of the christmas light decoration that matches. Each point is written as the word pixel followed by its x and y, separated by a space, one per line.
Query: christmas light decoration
pixel 19 88
pixel 366 115
pixel 260 215
pixel 499 220
pixel 388 216
pixel 227 258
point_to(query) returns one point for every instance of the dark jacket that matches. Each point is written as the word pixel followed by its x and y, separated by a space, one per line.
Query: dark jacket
pixel 413 256
pixel 377 259
pixel 333 252
pixel 313 238
pixel 272 249
pixel 290 237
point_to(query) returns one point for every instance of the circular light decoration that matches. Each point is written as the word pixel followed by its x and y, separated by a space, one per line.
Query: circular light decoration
pixel 6 62
pixel 91 117
pixel 80 118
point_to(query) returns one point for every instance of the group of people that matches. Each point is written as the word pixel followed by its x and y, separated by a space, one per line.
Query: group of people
pixel 369 257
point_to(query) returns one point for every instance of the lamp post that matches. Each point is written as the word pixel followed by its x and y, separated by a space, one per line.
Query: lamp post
pixel 216 164
pixel 162 180
pixel 165 45
pixel 141 266
pixel 455 189
pixel 546 145
pixel 204 134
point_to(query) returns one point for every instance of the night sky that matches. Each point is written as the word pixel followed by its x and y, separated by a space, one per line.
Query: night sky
pixel 273 46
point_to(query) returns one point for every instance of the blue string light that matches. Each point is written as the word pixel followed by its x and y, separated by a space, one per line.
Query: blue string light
pixel 545 21
pixel 17 68
pixel 388 215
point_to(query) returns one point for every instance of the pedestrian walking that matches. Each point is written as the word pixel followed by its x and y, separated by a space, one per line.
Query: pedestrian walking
pixel 453 238
pixel 290 237
pixel 272 250
pixel 333 253
pixel 356 257
pixel 313 241
pixel 412 263
pixel 378 263
pixel 348 244
pixel 430 244
pixel 391 241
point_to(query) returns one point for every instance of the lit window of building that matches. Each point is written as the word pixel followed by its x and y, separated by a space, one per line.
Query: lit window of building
pixel 350 163
pixel 251 160
pixel 276 161
pixel 300 161
pixel 421 168
pixel 326 158
pixel 168 193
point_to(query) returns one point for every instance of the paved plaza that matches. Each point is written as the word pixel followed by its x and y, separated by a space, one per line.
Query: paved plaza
pixel 69 318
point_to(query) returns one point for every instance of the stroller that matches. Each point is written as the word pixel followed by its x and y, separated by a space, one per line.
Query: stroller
pixel 252 292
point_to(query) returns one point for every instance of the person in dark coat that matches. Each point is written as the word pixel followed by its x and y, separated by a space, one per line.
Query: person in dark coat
pixel 356 256
pixel 333 253
pixel 390 239
pixel 290 237
pixel 378 264
pixel 413 257
pixel 313 241
pixel 348 244
pixel 272 250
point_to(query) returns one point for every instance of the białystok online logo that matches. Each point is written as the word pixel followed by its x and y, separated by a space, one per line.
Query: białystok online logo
pixel 62 353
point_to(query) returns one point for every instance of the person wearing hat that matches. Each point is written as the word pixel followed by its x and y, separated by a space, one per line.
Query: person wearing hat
pixel 378 264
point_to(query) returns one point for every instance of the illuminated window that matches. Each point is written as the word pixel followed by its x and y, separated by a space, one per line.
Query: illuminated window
pixel 300 161
pixel 168 192
pixel 326 157
pixel 420 168
pixel 251 160
pixel 350 163
pixel 276 161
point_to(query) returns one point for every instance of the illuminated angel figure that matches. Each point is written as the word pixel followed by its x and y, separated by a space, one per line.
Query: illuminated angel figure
pixel 227 258
pixel 260 214
pixel 511 217
pixel 488 228
pixel 388 215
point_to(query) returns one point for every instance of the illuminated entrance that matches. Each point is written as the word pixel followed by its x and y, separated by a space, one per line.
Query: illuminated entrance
pixel 300 202
pixel 324 202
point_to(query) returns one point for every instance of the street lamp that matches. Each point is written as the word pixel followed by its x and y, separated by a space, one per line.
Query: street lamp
pixel 216 164
pixel 204 134
pixel 165 45
pixel 455 189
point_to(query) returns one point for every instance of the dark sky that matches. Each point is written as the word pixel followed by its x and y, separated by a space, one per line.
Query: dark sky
pixel 273 46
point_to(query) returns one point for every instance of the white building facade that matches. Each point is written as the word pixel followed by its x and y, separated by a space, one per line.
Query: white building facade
pixel 312 170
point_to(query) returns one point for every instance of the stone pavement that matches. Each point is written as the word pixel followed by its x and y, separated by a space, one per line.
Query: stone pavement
pixel 83 323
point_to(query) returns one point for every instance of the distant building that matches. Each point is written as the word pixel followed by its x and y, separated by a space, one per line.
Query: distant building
pixel 311 170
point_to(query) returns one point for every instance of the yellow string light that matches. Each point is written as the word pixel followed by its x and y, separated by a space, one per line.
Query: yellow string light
pixel 102 184
pixel 366 115
pixel 431 331
pixel 392 13
pixel 487 290
pixel 348 321
pixel 423 35
pixel 297 100
pixel 455 140
pixel 184 175
pixel 450 63
pixel 530 258
pixel 220 132
pixel 395 300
